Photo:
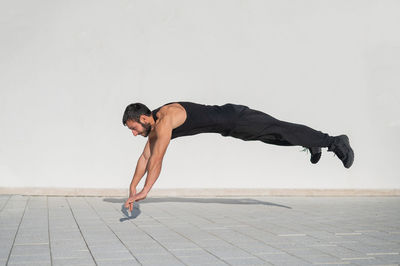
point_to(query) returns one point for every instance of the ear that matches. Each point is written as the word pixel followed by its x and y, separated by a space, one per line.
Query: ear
pixel 144 119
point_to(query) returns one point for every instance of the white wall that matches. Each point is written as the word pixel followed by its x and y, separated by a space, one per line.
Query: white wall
pixel 69 68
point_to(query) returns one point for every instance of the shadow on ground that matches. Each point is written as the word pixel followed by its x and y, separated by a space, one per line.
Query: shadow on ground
pixel 136 210
pixel 244 201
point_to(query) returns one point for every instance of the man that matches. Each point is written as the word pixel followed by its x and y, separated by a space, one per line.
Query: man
pixel 179 119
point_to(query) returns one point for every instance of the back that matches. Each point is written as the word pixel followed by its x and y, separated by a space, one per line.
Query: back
pixel 203 118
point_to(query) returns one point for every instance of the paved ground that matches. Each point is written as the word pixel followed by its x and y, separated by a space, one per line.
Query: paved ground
pixel 200 231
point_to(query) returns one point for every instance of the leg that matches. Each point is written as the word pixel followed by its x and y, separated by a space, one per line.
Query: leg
pixel 256 125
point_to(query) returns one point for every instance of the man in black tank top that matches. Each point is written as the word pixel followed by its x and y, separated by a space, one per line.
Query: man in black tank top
pixel 178 119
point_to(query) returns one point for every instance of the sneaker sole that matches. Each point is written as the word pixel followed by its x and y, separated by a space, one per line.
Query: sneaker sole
pixel 315 155
pixel 350 155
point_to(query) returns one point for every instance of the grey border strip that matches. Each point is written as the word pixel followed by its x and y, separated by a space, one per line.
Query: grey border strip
pixel 197 192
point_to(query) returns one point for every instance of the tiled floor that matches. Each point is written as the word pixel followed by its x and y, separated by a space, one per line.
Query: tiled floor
pixel 200 231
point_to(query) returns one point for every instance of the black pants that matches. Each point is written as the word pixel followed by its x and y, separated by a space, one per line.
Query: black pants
pixel 256 125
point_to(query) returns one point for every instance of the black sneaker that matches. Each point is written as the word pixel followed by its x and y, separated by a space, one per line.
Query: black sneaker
pixel 315 154
pixel 341 147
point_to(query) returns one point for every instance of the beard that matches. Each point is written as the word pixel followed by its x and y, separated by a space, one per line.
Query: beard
pixel 147 128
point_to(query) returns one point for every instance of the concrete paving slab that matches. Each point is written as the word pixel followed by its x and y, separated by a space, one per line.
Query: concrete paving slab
pixel 20 259
pixel 30 249
pixel 74 261
pixel 205 259
pixel 49 230
pixel 70 253
pixel 113 262
pixel 159 259
pixel 146 248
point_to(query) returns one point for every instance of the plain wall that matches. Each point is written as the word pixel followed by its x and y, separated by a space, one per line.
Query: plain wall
pixel 68 69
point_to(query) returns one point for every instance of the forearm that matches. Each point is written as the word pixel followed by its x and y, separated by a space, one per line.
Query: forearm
pixel 140 171
pixel 153 171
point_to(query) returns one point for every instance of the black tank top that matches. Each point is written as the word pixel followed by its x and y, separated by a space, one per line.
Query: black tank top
pixel 206 118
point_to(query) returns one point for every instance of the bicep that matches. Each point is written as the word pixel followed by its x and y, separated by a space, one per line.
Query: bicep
pixel 164 132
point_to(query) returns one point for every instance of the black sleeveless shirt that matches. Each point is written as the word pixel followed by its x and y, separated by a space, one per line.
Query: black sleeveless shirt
pixel 202 118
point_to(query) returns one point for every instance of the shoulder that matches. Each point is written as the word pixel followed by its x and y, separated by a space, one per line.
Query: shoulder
pixel 168 109
pixel 164 124
pixel 172 114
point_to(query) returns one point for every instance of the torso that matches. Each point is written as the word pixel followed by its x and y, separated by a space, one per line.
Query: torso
pixel 188 118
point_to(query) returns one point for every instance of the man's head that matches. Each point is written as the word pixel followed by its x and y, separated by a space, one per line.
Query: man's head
pixel 136 118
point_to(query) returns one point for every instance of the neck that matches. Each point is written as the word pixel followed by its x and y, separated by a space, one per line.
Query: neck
pixel 152 122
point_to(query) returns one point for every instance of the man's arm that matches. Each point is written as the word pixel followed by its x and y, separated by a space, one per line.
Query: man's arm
pixel 157 152
pixel 163 133
pixel 141 169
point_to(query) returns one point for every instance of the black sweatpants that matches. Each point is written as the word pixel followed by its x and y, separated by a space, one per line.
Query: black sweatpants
pixel 256 125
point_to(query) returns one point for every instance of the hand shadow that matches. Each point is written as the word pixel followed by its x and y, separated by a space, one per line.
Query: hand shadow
pixel 135 212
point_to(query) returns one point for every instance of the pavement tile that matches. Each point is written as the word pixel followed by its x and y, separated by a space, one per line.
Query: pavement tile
pixel 226 253
pixel 389 258
pixel 30 250
pixel 178 245
pixel 320 259
pixel 246 261
pixel 257 249
pixel 375 261
pixel 368 248
pixel 70 253
pixel 113 262
pixel 133 237
pixel 71 244
pixel 105 255
pixel 7 233
pixel 195 252
pixel 163 263
pixel 33 237
pixel 5 250
pixel 202 260
pixel 209 243
pixel 281 258
pixel 65 234
pixel 305 252
pixel 17 259
pixel 31 263
pixel 73 261
pixel 184 231
pixel 158 258
pixel 113 244
pixel 146 248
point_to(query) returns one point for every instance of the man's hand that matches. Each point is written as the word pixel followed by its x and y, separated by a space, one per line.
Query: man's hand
pixel 137 197
pixel 129 203
pixel 131 199
pixel 132 191
pixel 141 195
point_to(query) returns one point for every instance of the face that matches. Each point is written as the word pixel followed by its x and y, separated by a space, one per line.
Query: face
pixel 139 128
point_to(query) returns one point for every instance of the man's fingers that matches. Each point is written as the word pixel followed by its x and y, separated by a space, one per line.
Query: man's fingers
pixel 131 207
pixel 128 202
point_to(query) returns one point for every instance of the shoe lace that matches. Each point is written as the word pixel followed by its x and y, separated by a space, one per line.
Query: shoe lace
pixel 305 150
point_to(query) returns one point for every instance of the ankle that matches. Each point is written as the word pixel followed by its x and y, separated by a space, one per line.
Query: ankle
pixel 331 142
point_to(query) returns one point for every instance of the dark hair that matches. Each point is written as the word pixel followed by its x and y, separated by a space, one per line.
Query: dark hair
pixel 134 111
